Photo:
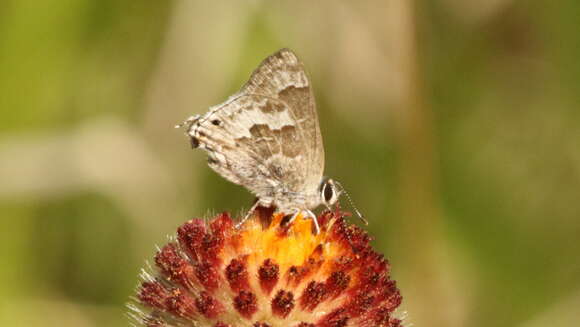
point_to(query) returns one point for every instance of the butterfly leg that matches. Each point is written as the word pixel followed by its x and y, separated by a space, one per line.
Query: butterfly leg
pixel 314 220
pixel 308 214
pixel 249 214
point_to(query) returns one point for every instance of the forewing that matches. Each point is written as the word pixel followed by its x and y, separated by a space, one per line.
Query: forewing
pixel 282 76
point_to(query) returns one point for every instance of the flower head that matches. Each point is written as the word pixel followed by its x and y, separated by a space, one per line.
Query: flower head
pixel 269 273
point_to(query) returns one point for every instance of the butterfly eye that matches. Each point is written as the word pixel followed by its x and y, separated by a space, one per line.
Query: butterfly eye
pixel 328 192
pixel 216 122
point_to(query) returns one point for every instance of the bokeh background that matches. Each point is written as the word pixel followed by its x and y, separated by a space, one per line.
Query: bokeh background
pixel 454 125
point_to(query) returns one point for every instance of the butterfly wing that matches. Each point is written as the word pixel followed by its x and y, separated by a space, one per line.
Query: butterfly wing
pixel 282 76
pixel 266 137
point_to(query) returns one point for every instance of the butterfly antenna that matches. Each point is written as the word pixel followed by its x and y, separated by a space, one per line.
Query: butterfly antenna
pixel 358 213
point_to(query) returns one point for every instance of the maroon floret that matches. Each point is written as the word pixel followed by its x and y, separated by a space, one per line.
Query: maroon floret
pixel 268 274
pixel 245 303
pixel 237 275
pixel 283 303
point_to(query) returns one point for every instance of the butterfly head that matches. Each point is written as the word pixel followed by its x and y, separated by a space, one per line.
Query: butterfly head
pixel 189 124
pixel 330 191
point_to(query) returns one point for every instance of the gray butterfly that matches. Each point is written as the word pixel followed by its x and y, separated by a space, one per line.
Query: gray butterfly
pixel 266 138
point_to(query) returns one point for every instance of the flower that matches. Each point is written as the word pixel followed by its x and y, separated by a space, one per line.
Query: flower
pixel 268 272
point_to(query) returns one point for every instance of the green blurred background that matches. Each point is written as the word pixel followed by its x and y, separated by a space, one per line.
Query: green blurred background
pixel 454 125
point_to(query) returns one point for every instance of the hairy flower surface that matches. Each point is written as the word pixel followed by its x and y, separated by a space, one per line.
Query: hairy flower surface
pixel 268 273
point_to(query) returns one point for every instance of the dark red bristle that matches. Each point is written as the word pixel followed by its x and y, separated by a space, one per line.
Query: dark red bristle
pixel 174 266
pixel 337 283
pixel 314 293
pixel 260 324
pixel 377 261
pixel 211 246
pixel 368 278
pixel 283 303
pixel 221 228
pixel 372 271
pixel 379 317
pixel 351 236
pixel 268 274
pixel 338 230
pixel 237 275
pixel 202 245
pixel 305 324
pixel 360 240
pixel 245 303
pixel 387 291
pixel 191 235
pixel 153 294
pixel 207 275
pixel 336 318
pixel 324 218
pixel 181 304
pixel 343 263
pixel 360 304
pixel 222 225
pixel 208 306
pixel 335 215
pixel 221 324
pixel 394 300
pixel 389 286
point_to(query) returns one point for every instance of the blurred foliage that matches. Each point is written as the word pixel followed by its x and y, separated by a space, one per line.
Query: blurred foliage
pixel 476 199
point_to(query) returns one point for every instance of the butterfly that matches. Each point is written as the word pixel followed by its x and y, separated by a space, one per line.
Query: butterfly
pixel 266 137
